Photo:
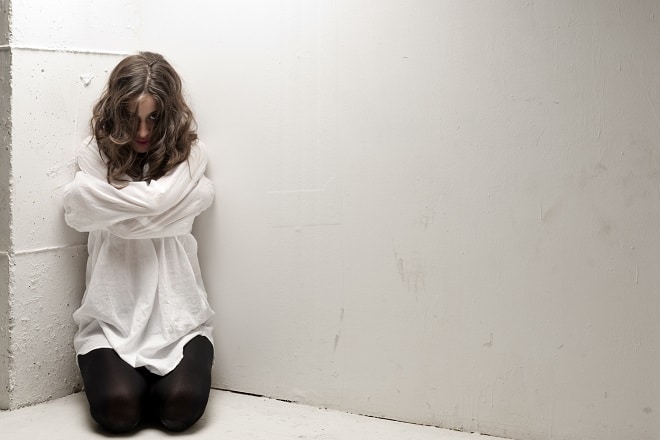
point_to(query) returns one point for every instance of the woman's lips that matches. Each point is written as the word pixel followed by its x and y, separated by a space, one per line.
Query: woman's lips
pixel 142 146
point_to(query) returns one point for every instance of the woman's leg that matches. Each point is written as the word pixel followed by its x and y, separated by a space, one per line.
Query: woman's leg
pixel 115 390
pixel 181 395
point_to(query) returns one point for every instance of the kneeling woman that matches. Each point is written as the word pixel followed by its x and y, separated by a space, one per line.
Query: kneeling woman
pixel 144 340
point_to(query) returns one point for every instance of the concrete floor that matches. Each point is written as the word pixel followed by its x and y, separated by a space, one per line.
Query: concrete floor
pixel 228 416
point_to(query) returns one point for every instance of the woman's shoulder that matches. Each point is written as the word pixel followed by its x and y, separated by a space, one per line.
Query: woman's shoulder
pixel 89 158
pixel 87 147
pixel 200 146
pixel 198 151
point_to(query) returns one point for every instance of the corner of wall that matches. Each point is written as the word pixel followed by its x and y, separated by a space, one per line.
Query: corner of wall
pixel 5 201
pixel 4 330
pixel 5 19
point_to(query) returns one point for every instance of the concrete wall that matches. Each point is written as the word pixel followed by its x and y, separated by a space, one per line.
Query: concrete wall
pixel 440 212
pixel 5 144
pixel 61 54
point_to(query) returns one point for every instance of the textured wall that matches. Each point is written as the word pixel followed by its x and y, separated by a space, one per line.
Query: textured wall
pixel 4 330
pixel 5 215
pixel 441 212
pixel 4 22
pixel 61 55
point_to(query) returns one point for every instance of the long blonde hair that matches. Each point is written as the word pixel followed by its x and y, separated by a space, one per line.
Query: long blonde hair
pixel 114 127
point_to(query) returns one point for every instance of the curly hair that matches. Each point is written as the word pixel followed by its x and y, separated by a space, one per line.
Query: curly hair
pixel 114 127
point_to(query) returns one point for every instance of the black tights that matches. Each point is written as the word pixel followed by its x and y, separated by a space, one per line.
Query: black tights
pixel 120 396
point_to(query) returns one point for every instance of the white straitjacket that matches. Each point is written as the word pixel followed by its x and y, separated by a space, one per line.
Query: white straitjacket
pixel 144 295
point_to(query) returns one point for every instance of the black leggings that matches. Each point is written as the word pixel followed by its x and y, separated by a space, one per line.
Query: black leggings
pixel 120 396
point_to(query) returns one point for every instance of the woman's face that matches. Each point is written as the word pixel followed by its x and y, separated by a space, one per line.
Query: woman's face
pixel 143 109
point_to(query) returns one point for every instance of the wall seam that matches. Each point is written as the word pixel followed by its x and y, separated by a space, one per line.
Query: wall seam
pixel 11 281
pixel 11 263
pixel 47 249
pixel 60 50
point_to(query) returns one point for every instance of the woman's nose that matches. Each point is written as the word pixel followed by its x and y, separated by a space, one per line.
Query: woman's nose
pixel 143 130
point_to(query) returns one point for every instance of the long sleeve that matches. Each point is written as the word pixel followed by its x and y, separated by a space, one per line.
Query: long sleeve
pixel 176 221
pixel 91 203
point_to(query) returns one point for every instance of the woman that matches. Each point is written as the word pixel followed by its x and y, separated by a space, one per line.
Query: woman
pixel 144 340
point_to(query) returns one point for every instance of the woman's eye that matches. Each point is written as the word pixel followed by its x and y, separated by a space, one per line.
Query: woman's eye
pixel 153 117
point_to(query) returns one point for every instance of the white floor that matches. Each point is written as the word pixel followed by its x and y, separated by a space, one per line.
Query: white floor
pixel 228 416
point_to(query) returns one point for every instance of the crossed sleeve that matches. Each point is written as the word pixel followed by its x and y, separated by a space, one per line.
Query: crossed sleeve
pixel 163 207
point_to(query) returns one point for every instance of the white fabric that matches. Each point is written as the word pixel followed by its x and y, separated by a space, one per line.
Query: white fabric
pixel 144 295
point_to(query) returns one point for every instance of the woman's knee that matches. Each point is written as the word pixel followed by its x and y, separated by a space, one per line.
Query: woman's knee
pixel 181 408
pixel 116 412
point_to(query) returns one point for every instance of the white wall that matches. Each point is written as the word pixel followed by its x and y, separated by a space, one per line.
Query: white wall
pixel 440 212
pixel 61 53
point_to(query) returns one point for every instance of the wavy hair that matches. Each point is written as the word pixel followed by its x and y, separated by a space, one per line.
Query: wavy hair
pixel 114 127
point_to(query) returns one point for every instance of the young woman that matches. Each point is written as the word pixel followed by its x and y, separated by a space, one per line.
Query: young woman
pixel 144 341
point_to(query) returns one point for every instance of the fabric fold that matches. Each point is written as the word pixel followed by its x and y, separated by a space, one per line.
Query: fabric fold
pixel 90 202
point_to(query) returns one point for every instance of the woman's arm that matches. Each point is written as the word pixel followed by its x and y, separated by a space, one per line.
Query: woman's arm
pixel 173 222
pixel 91 203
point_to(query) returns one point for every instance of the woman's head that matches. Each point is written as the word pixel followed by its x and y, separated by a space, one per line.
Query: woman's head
pixel 142 110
